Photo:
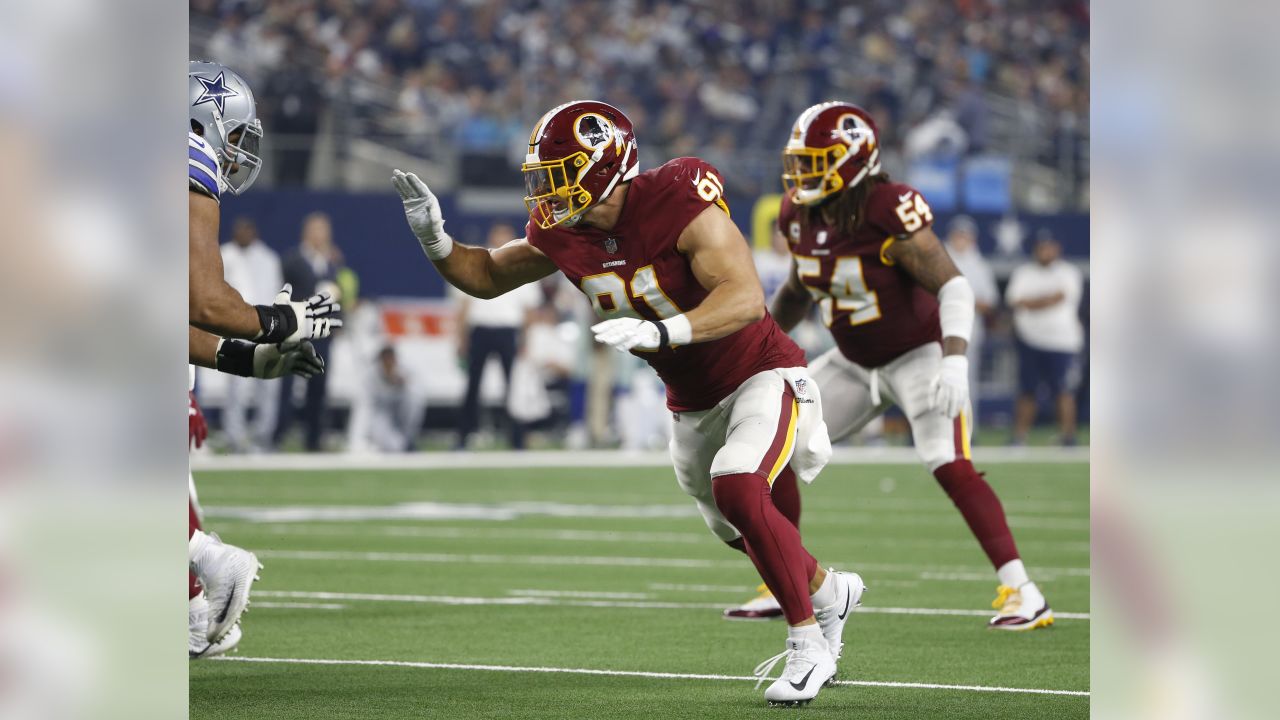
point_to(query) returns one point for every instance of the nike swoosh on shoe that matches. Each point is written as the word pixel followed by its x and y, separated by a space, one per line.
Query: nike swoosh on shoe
pixel 800 686
pixel 222 617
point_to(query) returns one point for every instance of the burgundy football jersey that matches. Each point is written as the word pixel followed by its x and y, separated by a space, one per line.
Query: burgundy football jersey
pixel 635 270
pixel 875 310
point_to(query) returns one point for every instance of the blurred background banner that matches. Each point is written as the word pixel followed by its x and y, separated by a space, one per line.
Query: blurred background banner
pixel 982 106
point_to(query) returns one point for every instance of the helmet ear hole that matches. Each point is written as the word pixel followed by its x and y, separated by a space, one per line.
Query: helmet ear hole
pixel 197 128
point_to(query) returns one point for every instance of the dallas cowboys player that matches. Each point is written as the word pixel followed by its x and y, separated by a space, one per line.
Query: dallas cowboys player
pixel 222 155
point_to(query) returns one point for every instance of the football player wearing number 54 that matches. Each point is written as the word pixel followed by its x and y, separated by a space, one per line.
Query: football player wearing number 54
pixel 673 280
pixel 900 312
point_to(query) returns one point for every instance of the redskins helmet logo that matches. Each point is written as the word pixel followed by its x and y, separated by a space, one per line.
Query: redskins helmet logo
pixel 854 131
pixel 594 131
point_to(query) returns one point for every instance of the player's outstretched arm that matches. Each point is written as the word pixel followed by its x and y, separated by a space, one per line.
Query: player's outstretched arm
pixel 213 305
pixel 479 272
pixel 792 301
pixel 217 308
pixel 921 254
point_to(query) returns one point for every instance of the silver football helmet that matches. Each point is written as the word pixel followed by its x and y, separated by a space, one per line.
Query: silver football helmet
pixel 222 106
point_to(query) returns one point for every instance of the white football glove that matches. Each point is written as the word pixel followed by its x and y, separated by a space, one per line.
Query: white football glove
pixel 949 389
pixel 627 333
pixel 248 359
pixel 273 361
pixel 422 210
pixel 316 316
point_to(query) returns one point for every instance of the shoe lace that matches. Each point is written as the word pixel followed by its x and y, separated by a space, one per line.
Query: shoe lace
pixel 762 670
pixel 1004 594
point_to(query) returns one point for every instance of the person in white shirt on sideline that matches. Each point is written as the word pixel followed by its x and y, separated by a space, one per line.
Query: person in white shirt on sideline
pixel 252 268
pixel 1045 298
pixel 387 415
pixel 962 245
pixel 488 328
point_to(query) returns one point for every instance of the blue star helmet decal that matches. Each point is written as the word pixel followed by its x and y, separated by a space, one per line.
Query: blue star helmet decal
pixel 216 92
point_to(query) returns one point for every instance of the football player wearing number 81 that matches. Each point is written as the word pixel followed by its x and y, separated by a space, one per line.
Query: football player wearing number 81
pixel 672 277
pixel 900 312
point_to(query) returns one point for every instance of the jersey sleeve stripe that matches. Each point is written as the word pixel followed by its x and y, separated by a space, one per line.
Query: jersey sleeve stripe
pixel 208 163
pixel 200 174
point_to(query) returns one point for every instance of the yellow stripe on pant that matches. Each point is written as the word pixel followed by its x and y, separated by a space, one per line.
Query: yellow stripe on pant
pixel 785 455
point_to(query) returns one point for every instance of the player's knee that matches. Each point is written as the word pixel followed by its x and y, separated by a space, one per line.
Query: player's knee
pixel 935 455
pixel 958 477
pixel 738 496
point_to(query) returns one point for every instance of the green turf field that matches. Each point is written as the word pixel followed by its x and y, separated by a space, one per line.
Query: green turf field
pixel 611 569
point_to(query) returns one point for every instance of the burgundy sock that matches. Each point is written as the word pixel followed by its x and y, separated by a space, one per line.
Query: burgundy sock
pixel 193 524
pixel 772 542
pixel 786 495
pixel 978 503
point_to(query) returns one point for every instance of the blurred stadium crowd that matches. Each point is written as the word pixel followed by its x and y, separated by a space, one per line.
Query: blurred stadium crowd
pixel 719 78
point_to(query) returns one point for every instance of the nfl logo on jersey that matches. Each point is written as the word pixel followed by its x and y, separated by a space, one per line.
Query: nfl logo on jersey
pixel 611 245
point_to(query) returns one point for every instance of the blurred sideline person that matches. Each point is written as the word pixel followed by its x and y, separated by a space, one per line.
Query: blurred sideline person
pixel 253 269
pixel 1045 297
pixel 543 365
pixel 491 327
pixel 658 257
pixel 901 313
pixel 312 267
pixel 962 246
pixel 222 156
pixel 387 413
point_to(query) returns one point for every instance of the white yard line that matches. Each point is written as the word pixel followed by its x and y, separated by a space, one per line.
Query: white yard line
pixel 957 572
pixel 489 532
pixel 542 598
pixel 587 458
pixel 634 673
pixel 297 605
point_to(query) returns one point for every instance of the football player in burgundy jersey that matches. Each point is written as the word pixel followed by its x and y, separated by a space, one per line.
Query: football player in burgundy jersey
pixel 900 313
pixel 673 278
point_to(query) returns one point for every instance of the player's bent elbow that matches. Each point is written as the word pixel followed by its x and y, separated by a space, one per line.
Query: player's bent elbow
pixel 754 311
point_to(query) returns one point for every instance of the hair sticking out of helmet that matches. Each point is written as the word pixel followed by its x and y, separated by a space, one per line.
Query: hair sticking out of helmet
pixel 224 112
pixel 833 146
pixel 578 153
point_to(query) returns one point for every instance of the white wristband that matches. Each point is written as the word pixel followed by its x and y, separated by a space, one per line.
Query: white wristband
pixel 955 308
pixel 679 331
pixel 439 247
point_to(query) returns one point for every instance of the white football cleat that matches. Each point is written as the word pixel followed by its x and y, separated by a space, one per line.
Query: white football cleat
pixel 808 667
pixel 226 572
pixel 1023 608
pixel 761 607
pixel 849 589
pixel 198 645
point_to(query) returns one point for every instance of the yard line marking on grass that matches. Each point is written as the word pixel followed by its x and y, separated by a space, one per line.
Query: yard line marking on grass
pixel 588 459
pixel 605 595
pixel 609 560
pixel 298 605
pixel 570 601
pixel 488 532
pixel 633 673
pixel 449 511
pixel 482 559
pixel 491 533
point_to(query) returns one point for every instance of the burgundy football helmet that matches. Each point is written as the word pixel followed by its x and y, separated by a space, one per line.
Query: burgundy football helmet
pixel 833 145
pixel 578 153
